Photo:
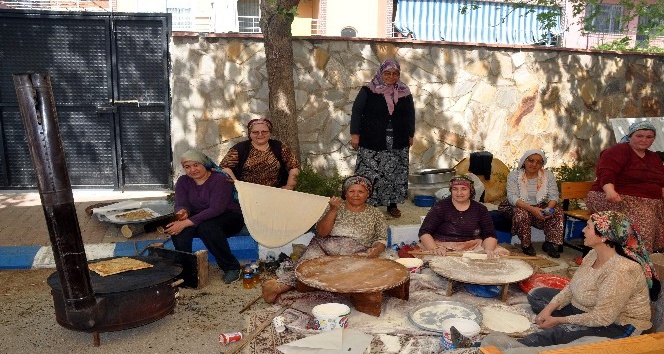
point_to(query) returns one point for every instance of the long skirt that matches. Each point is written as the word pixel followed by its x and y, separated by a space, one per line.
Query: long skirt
pixel 647 215
pixel 387 170
pixel 320 247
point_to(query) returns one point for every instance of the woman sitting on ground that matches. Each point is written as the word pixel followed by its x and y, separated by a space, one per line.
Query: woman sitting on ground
pixel 348 226
pixel 262 160
pixel 608 296
pixel 207 210
pixel 532 200
pixel 458 223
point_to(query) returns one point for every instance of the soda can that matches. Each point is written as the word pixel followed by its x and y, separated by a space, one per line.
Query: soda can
pixel 227 338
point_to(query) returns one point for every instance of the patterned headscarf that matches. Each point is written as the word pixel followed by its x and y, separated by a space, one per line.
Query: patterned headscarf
pixel 392 93
pixel 259 121
pixel 197 156
pixel 618 228
pixel 463 180
pixel 642 125
pixel 361 180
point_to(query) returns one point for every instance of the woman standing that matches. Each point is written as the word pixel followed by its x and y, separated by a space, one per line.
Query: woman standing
pixel 630 180
pixel 207 210
pixel 532 199
pixel 262 160
pixel 382 127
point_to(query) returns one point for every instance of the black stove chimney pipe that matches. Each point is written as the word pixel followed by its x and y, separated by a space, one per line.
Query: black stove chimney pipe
pixel 40 120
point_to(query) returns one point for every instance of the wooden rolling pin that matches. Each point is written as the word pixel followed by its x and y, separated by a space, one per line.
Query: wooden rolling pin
pixel 459 254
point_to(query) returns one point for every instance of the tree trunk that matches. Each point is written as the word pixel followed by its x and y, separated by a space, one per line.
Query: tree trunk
pixel 276 19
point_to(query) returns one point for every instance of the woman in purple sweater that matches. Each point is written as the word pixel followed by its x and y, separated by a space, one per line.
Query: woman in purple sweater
pixel 207 210
pixel 459 223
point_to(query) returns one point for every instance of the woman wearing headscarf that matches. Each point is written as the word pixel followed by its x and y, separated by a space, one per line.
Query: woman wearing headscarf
pixel 382 126
pixel 459 223
pixel 207 210
pixel 608 296
pixel 630 180
pixel 262 160
pixel 348 226
pixel 532 200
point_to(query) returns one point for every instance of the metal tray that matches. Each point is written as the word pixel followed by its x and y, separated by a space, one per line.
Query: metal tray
pixel 430 315
pixel 161 208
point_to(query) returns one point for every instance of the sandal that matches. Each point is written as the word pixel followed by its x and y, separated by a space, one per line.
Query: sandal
pixel 394 211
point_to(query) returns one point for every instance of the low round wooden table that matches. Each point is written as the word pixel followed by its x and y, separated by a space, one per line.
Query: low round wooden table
pixel 497 271
pixel 361 279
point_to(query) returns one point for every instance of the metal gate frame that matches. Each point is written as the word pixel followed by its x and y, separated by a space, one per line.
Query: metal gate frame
pixel 124 108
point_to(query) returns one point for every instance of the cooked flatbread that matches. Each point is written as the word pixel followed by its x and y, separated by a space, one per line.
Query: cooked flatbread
pixel 276 216
pixel 140 214
pixel 117 265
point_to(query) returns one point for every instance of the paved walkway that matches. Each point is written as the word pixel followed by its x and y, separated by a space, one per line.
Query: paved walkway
pixel 25 241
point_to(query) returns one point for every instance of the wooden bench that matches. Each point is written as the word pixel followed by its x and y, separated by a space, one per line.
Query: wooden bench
pixel 569 191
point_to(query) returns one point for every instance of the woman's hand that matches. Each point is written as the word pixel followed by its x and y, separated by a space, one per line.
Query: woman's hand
pixel 548 321
pixel 538 213
pixel 355 141
pixel 613 196
pixel 375 251
pixel 335 203
pixel 175 227
pixel 428 244
pixel 181 214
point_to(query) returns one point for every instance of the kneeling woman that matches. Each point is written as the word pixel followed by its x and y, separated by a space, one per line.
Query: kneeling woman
pixel 348 226
pixel 204 201
pixel 459 223
pixel 608 296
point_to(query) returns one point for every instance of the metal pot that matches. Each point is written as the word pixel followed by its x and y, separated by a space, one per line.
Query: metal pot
pixel 431 176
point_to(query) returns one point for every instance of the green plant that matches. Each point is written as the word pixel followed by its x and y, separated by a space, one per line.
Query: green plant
pixel 582 171
pixel 313 182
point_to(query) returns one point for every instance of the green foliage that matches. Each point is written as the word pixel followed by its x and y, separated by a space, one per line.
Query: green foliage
pixel 289 12
pixel 651 18
pixel 624 45
pixel 311 181
pixel 580 172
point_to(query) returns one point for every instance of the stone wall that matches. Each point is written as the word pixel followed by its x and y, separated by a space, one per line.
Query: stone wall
pixel 468 97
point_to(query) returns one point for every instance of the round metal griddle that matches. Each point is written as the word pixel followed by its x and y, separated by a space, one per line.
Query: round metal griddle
pixel 430 315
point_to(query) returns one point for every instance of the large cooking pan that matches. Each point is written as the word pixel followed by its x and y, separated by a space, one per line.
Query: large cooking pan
pixel 431 176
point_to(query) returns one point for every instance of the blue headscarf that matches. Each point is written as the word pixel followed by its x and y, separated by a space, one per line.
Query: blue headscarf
pixel 642 125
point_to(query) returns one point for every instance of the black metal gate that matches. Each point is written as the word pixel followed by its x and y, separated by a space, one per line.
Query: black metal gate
pixel 110 74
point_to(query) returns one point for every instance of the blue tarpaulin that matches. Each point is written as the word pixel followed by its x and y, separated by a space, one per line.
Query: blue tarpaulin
pixel 490 22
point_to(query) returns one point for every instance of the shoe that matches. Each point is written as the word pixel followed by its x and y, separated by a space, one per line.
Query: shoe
pixel 394 211
pixel 231 276
pixel 551 249
pixel 529 250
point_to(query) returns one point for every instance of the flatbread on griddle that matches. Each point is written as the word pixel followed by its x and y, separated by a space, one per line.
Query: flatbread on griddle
pixel 117 265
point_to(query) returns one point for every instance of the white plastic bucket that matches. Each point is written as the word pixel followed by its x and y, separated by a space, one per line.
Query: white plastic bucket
pixel 414 265
pixel 331 315
pixel 468 328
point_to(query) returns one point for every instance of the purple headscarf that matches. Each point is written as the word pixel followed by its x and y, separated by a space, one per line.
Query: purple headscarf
pixel 392 93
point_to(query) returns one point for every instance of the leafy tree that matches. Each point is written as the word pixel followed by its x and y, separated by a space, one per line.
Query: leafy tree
pixel 587 12
pixel 276 19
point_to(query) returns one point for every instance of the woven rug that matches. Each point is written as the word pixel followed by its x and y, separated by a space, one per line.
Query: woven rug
pixel 540 262
pixel 392 331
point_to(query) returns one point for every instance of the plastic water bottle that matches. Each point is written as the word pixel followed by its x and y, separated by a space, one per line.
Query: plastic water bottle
pixel 247 277
pixel 255 272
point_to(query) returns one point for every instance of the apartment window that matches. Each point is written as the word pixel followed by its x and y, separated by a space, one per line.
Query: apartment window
pixel 181 14
pixel 605 18
pixel 249 16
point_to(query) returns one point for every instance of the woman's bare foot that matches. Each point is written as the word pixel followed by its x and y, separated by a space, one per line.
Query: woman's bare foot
pixel 273 288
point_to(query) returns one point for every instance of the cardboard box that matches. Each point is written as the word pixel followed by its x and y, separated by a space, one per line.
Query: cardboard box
pixel 658 260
